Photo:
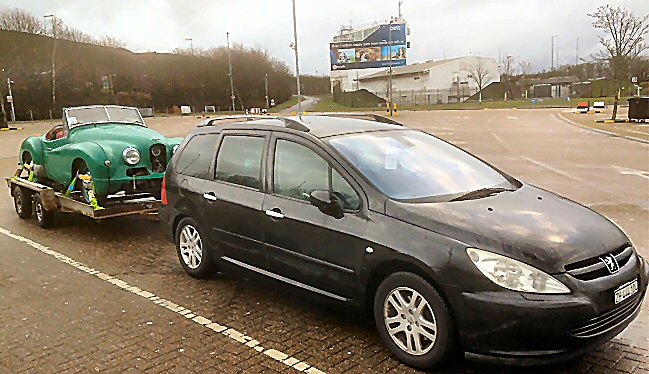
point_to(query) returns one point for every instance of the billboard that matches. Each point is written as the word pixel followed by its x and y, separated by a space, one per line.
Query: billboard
pixel 372 52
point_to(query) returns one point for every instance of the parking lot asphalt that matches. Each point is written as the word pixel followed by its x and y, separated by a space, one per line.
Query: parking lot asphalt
pixel 111 296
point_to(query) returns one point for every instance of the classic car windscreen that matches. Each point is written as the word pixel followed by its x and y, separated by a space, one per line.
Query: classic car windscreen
pixel 80 116
pixel 406 164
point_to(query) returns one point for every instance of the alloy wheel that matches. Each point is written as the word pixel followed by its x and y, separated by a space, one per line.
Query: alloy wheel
pixel 410 321
pixel 191 247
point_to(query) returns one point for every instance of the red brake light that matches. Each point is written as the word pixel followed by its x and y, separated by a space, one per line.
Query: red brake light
pixel 163 195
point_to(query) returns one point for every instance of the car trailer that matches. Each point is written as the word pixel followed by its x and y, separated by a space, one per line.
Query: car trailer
pixel 43 201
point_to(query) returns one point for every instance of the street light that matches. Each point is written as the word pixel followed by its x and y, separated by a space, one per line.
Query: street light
pixel 227 36
pixel 297 62
pixel 266 85
pixel 53 61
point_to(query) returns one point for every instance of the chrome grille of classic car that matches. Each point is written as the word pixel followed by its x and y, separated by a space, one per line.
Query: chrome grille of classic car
pixel 158 154
pixel 595 267
pixel 606 321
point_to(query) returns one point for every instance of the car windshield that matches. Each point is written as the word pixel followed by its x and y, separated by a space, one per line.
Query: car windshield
pixel 102 114
pixel 408 164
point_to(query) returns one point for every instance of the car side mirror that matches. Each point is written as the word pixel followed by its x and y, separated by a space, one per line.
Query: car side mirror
pixel 327 204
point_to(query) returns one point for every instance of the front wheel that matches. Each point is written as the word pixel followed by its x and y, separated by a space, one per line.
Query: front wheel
pixel 413 320
pixel 44 218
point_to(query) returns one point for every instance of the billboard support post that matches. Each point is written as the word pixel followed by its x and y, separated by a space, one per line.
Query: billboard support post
pixel 391 103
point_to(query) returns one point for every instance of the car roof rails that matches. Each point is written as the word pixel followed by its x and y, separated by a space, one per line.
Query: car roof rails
pixel 369 116
pixel 288 122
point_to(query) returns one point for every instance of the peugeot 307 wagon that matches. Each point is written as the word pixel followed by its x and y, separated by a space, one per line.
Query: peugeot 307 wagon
pixel 446 251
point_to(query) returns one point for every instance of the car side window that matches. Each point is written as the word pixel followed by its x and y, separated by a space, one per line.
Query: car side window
pixel 344 191
pixel 298 171
pixel 239 160
pixel 196 158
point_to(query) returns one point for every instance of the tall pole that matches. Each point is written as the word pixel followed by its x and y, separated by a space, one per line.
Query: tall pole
pixel 390 104
pixel 552 53
pixel 577 53
pixel 227 36
pixel 3 117
pixel 266 85
pixel 13 111
pixel 53 61
pixel 297 62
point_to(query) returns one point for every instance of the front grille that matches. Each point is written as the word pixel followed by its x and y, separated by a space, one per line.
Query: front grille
pixel 158 154
pixel 606 321
pixel 594 268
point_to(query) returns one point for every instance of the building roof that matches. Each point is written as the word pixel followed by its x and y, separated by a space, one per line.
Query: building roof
pixel 418 67
pixel 554 80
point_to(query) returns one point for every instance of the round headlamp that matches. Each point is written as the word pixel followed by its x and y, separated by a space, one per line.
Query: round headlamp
pixel 131 156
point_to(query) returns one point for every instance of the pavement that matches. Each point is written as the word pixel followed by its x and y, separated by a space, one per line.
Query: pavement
pixel 111 296
pixel 306 105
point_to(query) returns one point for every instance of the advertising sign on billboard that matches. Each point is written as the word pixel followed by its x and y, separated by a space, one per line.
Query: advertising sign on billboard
pixel 372 52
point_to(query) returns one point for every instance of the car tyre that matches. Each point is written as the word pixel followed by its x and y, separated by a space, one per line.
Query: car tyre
pixel 22 202
pixel 414 321
pixel 44 218
pixel 192 249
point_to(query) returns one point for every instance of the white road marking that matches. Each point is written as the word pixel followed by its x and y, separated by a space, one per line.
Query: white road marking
pixel 181 311
pixel 637 132
pixel 511 117
pixel 627 171
pixel 551 168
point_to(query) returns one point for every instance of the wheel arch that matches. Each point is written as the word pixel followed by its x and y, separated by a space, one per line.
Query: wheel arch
pixel 383 270
pixel 34 146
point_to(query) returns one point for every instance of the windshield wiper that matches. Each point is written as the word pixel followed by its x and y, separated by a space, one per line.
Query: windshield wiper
pixel 483 192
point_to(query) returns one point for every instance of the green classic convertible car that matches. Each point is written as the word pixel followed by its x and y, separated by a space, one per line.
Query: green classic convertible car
pixel 111 144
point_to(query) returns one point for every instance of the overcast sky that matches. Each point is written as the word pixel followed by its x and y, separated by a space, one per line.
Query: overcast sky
pixel 454 27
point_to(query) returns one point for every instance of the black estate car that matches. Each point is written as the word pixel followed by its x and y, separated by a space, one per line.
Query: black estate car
pixel 446 250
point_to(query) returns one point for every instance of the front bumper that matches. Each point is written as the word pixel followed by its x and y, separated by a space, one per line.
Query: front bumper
pixel 510 327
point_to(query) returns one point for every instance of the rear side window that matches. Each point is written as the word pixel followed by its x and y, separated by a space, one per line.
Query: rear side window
pixel 239 160
pixel 197 156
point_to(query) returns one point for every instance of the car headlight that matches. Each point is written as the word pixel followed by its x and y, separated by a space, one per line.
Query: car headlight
pixel 131 156
pixel 175 148
pixel 514 275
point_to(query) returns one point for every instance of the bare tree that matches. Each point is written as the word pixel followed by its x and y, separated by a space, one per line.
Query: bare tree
pixel 480 74
pixel 111 41
pixel 526 67
pixel 16 19
pixel 625 38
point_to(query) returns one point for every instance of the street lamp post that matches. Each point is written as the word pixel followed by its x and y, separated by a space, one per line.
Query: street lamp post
pixel 53 61
pixel 227 36
pixel 266 86
pixel 297 62
pixel 13 111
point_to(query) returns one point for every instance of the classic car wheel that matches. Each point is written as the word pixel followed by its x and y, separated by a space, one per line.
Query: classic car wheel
pixel 192 251
pixel 84 186
pixel 22 202
pixel 44 218
pixel 413 320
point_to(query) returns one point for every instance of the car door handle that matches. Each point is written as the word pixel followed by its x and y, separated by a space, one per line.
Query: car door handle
pixel 274 213
pixel 210 196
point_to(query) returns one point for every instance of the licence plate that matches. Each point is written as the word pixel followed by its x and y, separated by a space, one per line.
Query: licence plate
pixel 625 291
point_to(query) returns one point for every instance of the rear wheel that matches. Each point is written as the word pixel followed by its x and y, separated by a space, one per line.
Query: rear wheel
pixel 192 251
pixel 22 202
pixel 413 320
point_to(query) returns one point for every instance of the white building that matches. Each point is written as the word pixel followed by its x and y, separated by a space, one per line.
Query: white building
pixel 445 81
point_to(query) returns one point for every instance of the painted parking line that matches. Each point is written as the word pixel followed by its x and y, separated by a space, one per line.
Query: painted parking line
pixel 181 311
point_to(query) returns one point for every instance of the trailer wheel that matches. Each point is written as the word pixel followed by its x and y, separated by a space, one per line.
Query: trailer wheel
pixel 22 202
pixel 44 217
